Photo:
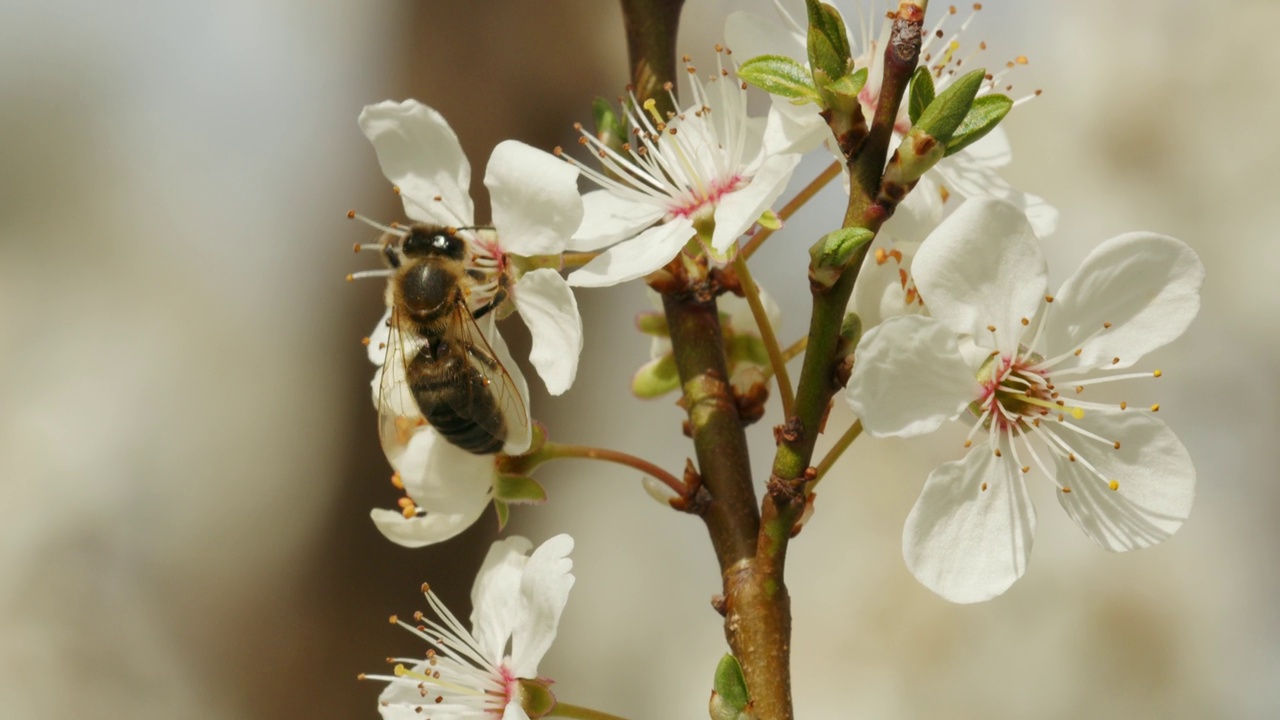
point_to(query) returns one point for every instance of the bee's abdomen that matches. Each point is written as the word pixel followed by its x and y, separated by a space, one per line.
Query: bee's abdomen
pixel 463 410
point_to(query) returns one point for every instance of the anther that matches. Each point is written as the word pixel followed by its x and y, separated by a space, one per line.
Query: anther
pixel 1025 322
pixel 1155 408
pixel 397 481
pixel 1123 405
pixel 984 487
pixel 426 587
pixel 968 443
pixel 1106 326
pixel 991 328
pixel 1079 389
pixel 1066 489
pixel 1156 373
pixel 1115 361
pixel 365 341
pixel 1078 351
pixel 998 453
pixel 1026 469
pixel 1071 457
pixel 1116 445
pixel 1114 484
pixel 881 256
pixel 394 619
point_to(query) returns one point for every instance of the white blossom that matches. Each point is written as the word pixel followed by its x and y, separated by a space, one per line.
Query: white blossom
pixel 466 674
pixel 1019 360
pixel 676 178
pixel 536 208
pixel 971 172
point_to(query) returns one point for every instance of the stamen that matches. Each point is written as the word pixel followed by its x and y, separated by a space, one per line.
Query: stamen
pixel 369 274
pixel 389 229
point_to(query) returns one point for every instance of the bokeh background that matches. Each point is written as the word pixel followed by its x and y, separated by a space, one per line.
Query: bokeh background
pixel 188 453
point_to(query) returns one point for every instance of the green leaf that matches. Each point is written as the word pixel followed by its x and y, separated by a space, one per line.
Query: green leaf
pixel 947 111
pixel 656 378
pixel 730 700
pixel 851 328
pixel 504 513
pixel 921 93
pixel 849 85
pixel 837 247
pixel 779 75
pixel 987 112
pixel 518 490
pixel 828 42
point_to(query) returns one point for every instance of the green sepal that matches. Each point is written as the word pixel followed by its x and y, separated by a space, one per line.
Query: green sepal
pixel 504 513
pixel 609 128
pixel 518 490
pixel 921 93
pixel 836 247
pixel 948 110
pixel 730 700
pixel 769 220
pixel 987 112
pixel 828 42
pixel 780 75
pixel 536 698
pixel 653 323
pixel 656 378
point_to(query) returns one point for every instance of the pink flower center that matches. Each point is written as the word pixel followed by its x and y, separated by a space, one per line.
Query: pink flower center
pixel 697 203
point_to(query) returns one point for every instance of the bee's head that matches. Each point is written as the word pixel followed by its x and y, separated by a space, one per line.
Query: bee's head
pixel 428 240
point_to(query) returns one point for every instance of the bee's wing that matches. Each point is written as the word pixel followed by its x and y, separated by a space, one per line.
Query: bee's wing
pixel 487 353
pixel 398 414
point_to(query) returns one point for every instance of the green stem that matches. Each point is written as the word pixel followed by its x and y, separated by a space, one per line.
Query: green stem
pixel 805 195
pixel 558 451
pixel 578 712
pixel 576 259
pixel 767 336
pixel 835 452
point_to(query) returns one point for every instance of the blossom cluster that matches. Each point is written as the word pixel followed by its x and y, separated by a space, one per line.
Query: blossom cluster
pixel 954 319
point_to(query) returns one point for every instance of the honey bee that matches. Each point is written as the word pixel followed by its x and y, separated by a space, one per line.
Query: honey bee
pixel 438 357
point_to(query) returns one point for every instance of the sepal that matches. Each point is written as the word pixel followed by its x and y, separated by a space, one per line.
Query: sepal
pixel 536 698
pixel 831 255
pixel 518 490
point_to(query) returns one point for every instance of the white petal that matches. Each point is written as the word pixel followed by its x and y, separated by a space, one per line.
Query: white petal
pixel 378 340
pixel 544 590
pixel 750 35
pixel 421 155
pixel 535 200
pixel 917 215
pixel 1157 481
pixel 982 267
pixel 608 219
pixel 1146 285
pixel 795 128
pixel 972 178
pixel 909 377
pixel 469 502
pixel 547 306
pixel 993 150
pixel 513 711
pixel 969 535
pixel 636 257
pixel 497 607
pixel 439 475
pixel 740 209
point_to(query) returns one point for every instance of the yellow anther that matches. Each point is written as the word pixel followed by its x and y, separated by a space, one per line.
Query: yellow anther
pixel 426 587
pixel 652 107
pixel 1079 388
pixel 1123 405
pixel 395 619
pixel 397 480
pixel 1025 322
pixel 1066 489
pixel 968 443
pixel 881 256
pixel 1155 408
pixel 1026 469
pixel 991 328
pixel 1156 373
pixel 984 487
pixel 1116 445
pixel 1114 484
pixel 998 453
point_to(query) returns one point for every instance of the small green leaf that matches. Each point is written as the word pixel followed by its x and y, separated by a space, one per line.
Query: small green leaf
pixel 987 112
pixel 851 328
pixel 947 111
pixel 730 690
pixel 837 247
pixel 779 75
pixel 828 42
pixel 849 85
pixel 504 513
pixel 656 378
pixel 518 490
pixel 921 93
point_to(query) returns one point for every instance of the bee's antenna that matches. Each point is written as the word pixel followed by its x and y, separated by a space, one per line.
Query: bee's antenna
pixel 389 229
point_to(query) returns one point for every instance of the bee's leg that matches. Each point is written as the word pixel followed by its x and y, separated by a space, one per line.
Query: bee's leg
pixel 499 297
pixel 483 357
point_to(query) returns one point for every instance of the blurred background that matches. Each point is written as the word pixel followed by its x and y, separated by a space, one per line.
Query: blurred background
pixel 189 454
